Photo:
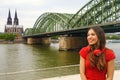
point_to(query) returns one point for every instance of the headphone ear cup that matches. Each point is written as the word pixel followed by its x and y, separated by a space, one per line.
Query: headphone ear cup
pixel 97 52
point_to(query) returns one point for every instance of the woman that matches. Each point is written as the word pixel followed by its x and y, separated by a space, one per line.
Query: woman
pixel 96 60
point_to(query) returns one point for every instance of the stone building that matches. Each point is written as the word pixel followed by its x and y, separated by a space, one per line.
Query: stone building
pixel 14 27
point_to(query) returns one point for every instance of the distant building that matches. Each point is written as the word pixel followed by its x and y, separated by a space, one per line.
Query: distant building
pixel 14 27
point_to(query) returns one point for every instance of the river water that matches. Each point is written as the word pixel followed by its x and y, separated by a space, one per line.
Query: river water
pixel 33 62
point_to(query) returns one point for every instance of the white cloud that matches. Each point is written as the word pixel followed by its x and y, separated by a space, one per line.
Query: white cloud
pixel 22 2
pixel 29 10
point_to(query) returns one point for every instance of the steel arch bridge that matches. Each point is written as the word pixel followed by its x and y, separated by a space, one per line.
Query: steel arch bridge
pixel 94 12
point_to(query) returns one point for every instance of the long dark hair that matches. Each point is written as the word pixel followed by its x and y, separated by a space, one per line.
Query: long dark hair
pixel 98 61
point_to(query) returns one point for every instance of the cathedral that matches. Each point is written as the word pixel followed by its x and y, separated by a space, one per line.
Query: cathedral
pixel 14 27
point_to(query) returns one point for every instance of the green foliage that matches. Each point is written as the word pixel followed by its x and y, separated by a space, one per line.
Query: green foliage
pixel 55 37
pixel 113 37
pixel 8 36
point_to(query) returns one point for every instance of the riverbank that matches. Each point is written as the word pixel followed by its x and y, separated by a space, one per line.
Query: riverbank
pixel 77 77
pixel 2 41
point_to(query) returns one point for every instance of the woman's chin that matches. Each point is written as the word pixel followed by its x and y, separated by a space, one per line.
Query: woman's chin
pixel 91 44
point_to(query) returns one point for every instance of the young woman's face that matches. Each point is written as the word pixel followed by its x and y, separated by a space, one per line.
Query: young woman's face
pixel 92 37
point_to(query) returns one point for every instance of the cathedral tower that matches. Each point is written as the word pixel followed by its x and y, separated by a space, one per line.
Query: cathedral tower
pixel 9 19
pixel 16 21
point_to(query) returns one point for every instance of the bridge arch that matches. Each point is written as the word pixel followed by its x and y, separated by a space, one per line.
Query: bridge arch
pixel 49 22
pixel 94 12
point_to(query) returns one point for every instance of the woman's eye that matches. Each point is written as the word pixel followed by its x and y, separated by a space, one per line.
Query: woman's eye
pixel 88 34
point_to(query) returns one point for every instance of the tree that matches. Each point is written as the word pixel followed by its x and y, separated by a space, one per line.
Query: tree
pixel 8 36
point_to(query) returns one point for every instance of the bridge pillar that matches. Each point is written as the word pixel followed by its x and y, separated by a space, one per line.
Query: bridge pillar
pixel 46 40
pixel 71 43
pixel 38 40
pixel 33 40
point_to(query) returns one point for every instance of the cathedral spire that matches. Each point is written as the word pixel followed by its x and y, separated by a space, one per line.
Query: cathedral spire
pixel 9 19
pixel 16 22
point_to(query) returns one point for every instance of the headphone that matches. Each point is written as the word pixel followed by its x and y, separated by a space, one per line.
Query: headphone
pixel 96 52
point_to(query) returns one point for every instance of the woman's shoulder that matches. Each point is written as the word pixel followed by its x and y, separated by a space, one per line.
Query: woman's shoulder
pixel 110 54
pixel 109 51
pixel 84 51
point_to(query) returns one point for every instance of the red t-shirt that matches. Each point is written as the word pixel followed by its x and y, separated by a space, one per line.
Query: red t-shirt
pixel 93 73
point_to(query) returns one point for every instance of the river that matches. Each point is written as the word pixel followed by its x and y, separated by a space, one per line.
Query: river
pixel 32 62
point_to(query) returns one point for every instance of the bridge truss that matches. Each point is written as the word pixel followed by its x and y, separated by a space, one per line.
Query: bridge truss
pixel 94 12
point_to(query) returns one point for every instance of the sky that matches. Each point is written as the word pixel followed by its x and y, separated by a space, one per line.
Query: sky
pixel 29 10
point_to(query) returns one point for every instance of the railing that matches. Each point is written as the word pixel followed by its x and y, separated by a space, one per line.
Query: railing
pixel 38 74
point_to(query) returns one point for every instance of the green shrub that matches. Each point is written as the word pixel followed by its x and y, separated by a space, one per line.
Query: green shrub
pixel 8 36
pixel 113 37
